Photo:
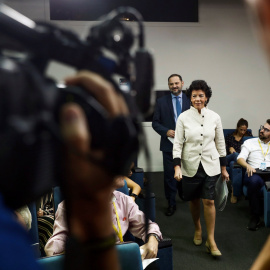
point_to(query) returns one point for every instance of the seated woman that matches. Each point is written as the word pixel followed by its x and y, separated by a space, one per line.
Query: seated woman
pixel 125 216
pixel 233 144
pixel 45 216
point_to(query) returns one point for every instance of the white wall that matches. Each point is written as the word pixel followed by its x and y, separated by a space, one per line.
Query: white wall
pixel 221 49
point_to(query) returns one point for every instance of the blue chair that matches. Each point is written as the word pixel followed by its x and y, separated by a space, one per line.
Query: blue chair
pixel 34 226
pixel 235 170
pixel 52 263
pixel 266 197
pixel 137 176
pixel 34 229
pixel 128 254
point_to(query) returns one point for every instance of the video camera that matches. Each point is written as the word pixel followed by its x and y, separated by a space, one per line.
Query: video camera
pixel 30 139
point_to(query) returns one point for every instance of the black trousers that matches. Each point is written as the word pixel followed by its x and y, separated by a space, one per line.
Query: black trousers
pixel 170 184
pixel 254 191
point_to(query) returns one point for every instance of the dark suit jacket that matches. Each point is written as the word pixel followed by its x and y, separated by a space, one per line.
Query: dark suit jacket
pixel 163 119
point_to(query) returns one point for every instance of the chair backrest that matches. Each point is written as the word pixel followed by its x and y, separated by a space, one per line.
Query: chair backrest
pixel 227 131
pixel 124 189
pixel 34 227
pixel 52 263
pixel 128 254
pixel 247 138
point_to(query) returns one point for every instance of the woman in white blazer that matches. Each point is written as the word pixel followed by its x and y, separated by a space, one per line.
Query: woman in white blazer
pixel 199 154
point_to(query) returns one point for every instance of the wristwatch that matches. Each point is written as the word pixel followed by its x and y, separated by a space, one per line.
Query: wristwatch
pixel 134 195
pixel 152 234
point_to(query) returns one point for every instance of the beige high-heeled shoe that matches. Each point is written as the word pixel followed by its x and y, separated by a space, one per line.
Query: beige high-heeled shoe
pixel 233 198
pixel 196 241
pixel 214 253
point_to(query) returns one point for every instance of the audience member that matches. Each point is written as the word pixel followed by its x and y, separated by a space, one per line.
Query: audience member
pixel 166 113
pixel 255 155
pixel 233 145
pixel 126 216
pixel 45 216
pixel 199 156
pixel 235 140
pixel 24 217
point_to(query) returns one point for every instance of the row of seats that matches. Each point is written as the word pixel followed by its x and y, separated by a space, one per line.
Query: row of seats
pixel 128 254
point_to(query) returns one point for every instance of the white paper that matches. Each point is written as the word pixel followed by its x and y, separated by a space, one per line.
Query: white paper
pixel 171 139
pixel 146 262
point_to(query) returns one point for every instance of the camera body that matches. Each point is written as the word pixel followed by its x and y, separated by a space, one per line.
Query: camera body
pixel 30 137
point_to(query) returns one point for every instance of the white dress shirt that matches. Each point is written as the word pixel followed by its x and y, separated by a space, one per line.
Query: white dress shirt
pixel 251 152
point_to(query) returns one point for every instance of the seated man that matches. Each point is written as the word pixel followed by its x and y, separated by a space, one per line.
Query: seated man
pixel 125 216
pixel 254 155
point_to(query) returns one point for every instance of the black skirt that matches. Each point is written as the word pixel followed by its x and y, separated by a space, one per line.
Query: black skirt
pixel 200 185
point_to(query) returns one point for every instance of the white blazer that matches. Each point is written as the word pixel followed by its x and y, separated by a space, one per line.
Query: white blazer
pixel 199 138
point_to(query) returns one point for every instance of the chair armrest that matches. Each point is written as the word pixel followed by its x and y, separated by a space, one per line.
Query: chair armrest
pixel 164 243
pixel 267 185
pixel 236 165
pixel 137 170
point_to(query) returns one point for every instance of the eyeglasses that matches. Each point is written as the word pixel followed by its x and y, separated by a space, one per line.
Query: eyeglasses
pixel 265 129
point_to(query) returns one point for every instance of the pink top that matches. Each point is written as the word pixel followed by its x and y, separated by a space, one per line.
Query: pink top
pixel 131 218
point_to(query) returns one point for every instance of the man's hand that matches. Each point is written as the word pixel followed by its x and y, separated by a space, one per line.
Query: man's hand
pixel 150 249
pixel 232 150
pixel 250 170
pixel 170 133
pixel 177 173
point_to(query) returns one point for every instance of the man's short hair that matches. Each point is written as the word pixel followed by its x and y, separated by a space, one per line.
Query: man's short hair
pixel 175 75
pixel 268 121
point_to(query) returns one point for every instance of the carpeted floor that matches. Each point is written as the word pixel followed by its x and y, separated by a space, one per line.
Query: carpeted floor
pixel 238 245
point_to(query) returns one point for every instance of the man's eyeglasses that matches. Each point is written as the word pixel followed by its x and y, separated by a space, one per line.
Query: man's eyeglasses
pixel 265 129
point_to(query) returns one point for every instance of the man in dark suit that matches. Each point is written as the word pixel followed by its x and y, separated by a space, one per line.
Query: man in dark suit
pixel 166 113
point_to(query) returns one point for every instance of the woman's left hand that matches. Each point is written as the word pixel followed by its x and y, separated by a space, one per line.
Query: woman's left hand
pixel 224 174
pixel 177 173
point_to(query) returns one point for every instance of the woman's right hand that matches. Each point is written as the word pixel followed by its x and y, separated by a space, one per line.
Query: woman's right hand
pixel 232 150
pixel 177 173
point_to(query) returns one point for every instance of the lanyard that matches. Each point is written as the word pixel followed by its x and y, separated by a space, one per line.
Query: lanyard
pixel 264 154
pixel 119 233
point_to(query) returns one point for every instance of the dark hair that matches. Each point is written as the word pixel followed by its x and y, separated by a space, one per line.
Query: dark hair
pixel 175 75
pixel 199 85
pixel 268 121
pixel 241 122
